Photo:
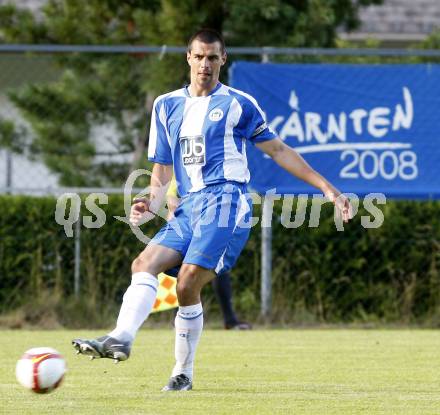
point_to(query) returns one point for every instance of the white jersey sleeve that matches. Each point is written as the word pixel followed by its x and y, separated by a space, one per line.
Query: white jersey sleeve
pixel 159 149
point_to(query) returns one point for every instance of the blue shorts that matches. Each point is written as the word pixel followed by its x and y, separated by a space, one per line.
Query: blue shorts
pixel 210 227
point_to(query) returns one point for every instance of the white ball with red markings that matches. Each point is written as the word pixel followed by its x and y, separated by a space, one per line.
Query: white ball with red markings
pixel 41 369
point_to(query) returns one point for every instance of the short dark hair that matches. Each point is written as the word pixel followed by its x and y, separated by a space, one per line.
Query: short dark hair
pixel 207 36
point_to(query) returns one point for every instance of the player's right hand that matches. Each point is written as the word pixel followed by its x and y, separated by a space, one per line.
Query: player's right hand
pixel 140 211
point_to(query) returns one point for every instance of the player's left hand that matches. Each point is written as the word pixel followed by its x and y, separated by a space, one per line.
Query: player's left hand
pixel 342 205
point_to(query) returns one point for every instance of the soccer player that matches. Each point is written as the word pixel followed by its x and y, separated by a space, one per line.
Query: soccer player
pixel 201 131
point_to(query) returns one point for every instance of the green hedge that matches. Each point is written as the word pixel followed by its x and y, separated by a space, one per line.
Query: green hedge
pixel 389 274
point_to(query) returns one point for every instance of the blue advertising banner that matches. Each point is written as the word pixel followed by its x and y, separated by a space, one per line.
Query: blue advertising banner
pixel 367 128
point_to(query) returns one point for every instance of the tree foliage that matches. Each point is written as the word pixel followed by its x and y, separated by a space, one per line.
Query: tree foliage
pixel 115 92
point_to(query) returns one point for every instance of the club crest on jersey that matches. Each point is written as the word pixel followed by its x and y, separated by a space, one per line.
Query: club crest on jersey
pixel 216 114
pixel 192 149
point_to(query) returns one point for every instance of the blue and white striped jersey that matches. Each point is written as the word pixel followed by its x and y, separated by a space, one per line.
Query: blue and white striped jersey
pixel 205 137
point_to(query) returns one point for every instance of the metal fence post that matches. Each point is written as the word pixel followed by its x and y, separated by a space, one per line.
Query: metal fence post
pixel 8 170
pixel 266 242
pixel 266 259
pixel 265 56
pixel 77 260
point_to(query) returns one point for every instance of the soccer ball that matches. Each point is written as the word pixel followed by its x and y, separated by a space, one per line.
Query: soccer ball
pixel 41 369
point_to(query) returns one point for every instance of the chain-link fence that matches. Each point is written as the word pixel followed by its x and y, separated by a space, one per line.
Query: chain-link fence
pixel 78 116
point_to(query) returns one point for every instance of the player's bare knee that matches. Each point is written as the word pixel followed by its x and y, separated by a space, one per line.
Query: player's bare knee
pixel 143 264
pixel 188 282
pixel 137 265
pixel 185 285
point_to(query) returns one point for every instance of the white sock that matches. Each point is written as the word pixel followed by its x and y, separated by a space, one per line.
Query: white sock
pixel 189 326
pixel 136 306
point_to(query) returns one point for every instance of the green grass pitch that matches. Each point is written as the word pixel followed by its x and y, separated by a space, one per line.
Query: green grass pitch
pixel 297 372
